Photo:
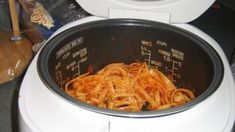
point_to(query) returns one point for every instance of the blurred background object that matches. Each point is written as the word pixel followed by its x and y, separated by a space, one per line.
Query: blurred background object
pixel 41 18
pixel 15 55
pixel 5 24
pixel 15 49
pixel 228 3
pixel 38 20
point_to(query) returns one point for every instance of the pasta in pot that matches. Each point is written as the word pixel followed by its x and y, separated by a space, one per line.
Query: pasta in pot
pixel 130 88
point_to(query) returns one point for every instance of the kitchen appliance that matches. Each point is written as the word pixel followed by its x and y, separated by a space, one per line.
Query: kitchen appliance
pixel 124 30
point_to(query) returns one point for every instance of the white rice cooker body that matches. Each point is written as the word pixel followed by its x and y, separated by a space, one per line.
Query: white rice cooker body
pixel 169 11
pixel 41 110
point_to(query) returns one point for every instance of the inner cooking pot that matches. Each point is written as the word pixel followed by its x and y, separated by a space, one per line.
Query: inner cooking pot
pixel 186 59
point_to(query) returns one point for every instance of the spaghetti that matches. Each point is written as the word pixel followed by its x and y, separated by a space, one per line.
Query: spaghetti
pixel 131 87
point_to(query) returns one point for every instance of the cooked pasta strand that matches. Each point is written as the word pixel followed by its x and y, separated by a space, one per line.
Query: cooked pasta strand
pixel 128 88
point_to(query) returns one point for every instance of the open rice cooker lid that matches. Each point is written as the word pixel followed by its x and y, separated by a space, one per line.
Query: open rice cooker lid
pixel 168 11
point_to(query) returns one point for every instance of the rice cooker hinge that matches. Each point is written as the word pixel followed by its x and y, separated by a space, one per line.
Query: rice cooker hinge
pixel 137 14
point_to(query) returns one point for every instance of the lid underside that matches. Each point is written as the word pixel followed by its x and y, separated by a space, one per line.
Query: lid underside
pixel 172 11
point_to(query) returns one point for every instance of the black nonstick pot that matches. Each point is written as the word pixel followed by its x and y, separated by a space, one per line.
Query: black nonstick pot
pixel 186 59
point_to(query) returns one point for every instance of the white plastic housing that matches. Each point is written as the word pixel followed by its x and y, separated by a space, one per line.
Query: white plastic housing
pixel 168 11
pixel 41 110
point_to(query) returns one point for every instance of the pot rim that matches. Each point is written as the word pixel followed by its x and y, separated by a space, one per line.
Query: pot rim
pixel 53 87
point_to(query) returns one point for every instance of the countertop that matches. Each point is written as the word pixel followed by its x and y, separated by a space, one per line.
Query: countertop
pixel 218 22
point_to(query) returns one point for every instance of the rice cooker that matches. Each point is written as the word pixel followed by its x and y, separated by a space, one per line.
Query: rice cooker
pixel 125 31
